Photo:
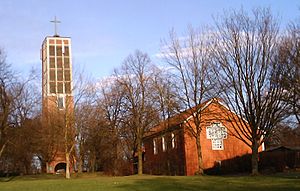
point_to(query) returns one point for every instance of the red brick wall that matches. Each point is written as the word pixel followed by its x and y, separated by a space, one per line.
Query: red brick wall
pixel 168 162
pixel 232 146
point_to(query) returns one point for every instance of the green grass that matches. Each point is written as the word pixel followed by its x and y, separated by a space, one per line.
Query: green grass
pixel 95 182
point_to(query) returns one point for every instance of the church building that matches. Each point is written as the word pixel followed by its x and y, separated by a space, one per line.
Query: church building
pixel 171 149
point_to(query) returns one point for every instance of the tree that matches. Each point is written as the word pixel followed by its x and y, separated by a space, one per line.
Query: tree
pixel 164 94
pixel 289 60
pixel 190 58
pixel 134 79
pixel 6 98
pixel 284 135
pixel 111 103
pixel 14 98
pixel 85 120
pixel 246 49
pixel 81 91
pixel 24 125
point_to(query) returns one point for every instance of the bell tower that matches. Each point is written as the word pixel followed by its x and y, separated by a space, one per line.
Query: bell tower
pixel 57 95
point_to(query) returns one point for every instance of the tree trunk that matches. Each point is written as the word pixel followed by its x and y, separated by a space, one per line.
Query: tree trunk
pixel 68 176
pixel 116 161
pixel 80 164
pixel 2 149
pixel 254 158
pixel 199 152
pixel 140 158
pixel 44 166
pixel 93 163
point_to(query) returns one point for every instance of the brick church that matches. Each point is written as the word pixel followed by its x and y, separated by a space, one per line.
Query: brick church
pixel 173 151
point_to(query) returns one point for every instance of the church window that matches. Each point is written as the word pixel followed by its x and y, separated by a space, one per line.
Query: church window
pixel 164 143
pixel 217 144
pixel 173 140
pixel 155 151
pixel 217 133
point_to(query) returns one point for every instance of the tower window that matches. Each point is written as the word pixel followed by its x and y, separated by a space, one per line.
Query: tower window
pixel 52 87
pixel 59 62
pixel 51 50
pixel 60 102
pixel 66 52
pixel 67 75
pixel 66 62
pixel 52 75
pixel 59 75
pixel 67 87
pixel 59 87
pixel 58 51
pixel 52 62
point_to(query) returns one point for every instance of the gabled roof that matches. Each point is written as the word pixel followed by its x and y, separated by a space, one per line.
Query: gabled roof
pixel 180 118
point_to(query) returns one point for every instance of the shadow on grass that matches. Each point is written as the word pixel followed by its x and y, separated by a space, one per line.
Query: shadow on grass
pixel 7 179
pixel 31 177
pixel 211 183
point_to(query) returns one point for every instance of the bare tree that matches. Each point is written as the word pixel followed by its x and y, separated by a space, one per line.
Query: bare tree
pixel 81 91
pixel 85 120
pixel 13 100
pixel 190 58
pixel 111 102
pixel 134 80
pixel 164 94
pixel 248 75
pixel 289 60
pixel 6 99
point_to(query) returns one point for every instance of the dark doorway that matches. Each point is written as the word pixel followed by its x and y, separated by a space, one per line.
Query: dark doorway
pixel 60 167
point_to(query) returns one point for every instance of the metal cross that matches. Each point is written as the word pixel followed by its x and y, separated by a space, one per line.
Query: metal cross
pixel 55 21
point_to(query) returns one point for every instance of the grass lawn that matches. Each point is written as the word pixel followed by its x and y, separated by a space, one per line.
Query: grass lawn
pixel 86 182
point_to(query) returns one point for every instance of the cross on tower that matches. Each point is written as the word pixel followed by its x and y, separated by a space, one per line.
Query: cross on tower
pixel 55 21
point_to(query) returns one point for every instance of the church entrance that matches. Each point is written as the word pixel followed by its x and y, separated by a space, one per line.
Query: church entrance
pixel 60 168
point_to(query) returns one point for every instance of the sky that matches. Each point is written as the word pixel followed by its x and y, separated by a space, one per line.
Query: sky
pixel 105 32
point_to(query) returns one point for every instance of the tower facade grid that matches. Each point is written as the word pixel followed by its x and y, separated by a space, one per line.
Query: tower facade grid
pixel 57 93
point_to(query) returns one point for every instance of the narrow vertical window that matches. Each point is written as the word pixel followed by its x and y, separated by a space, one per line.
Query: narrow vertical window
pixel 164 145
pixel 60 102
pixel 154 147
pixel 51 50
pixel 66 51
pixel 52 87
pixel 173 140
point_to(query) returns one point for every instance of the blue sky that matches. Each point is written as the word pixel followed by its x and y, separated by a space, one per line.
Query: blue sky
pixel 105 32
